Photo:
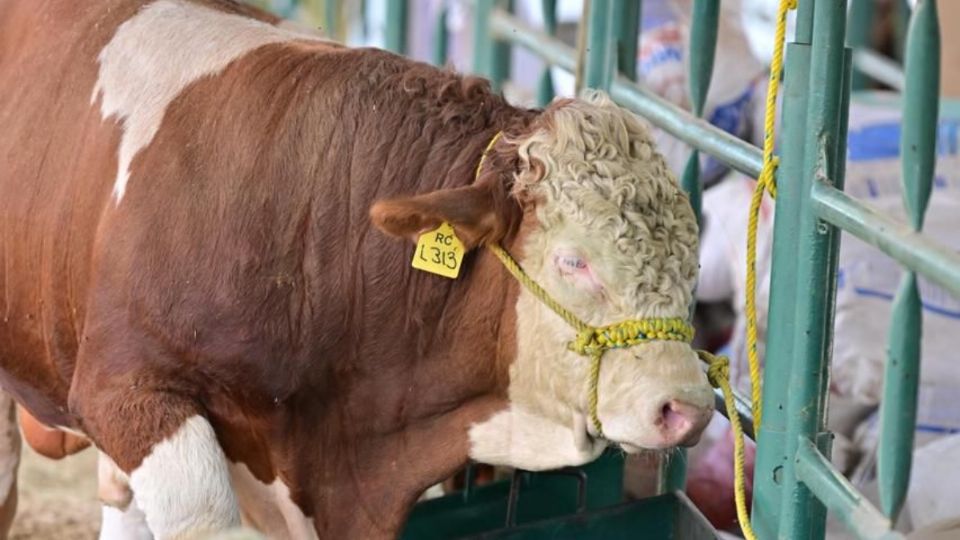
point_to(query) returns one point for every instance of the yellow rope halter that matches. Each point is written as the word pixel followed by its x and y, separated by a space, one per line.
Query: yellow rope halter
pixel 592 341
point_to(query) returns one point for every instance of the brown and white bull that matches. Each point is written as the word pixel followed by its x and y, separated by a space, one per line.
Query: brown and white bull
pixel 205 239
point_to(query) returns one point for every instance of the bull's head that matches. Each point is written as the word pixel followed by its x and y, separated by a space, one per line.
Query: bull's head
pixel 609 235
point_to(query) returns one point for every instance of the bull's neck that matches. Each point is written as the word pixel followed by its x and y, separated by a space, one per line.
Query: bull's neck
pixel 405 427
pixel 451 370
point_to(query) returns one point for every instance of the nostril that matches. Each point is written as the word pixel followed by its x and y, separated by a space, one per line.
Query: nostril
pixel 665 411
pixel 675 417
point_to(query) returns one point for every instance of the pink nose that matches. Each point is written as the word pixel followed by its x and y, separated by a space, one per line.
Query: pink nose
pixel 682 423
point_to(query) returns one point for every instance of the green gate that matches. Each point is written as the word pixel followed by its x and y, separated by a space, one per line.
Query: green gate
pixel 794 483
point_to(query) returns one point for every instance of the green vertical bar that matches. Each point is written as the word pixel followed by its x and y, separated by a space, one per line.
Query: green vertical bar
pixel 771 439
pixel 703 43
pixel 801 514
pixel 628 35
pixel 768 481
pixel 396 35
pixel 859 27
pixel 598 63
pixel 816 511
pixel 491 58
pixel 901 18
pixel 703 46
pixel 331 12
pixel 441 39
pixel 898 409
pixel 545 90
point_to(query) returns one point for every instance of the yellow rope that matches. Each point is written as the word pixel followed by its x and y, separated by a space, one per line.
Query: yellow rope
pixel 766 182
pixel 483 156
pixel 719 368
pixel 719 375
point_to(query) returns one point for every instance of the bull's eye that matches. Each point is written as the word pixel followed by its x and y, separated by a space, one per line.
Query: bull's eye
pixel 575 269
pixel 572 263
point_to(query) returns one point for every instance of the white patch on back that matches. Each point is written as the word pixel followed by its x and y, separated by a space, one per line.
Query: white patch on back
pixel 268 507
pixel 183 486
pixel 157 53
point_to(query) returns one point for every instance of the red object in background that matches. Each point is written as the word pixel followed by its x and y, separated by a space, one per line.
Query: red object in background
pixel 710 482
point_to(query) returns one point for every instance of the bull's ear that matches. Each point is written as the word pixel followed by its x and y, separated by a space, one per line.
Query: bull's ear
pixel 477 214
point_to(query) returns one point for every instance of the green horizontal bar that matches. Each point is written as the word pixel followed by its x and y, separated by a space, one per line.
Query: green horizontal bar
pixel 840 496
pixel 879 68
pixel 742 405
pixel 914 250
pixel 698 133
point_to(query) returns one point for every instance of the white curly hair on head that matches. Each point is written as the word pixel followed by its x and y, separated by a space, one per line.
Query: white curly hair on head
pixel 593 163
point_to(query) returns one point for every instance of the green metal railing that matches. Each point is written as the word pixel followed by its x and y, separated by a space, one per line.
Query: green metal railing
pixel 868 64
pixel 794 482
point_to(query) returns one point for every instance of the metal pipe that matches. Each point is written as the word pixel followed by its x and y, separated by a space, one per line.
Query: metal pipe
pixel 840 496
pixel 545 90
pixel 742 406
pixel 915 251
pixel 879 68
pixel 859 30
pixel 698 133
pixel 628 35
pixel 396 34
pixel 801 514
pixel 491 56
pixel 703 46
pixel 771 437
pixel 703 43
pixel 598 65
pixel 918 144
pixel 441 38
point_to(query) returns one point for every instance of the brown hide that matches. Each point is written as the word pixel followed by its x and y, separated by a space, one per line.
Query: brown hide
pixel 240 278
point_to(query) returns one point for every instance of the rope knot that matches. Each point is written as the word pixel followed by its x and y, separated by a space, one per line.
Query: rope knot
pixel 718 370
pixel 587 342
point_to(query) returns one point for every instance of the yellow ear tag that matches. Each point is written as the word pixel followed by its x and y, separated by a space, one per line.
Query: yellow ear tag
pixel 439 252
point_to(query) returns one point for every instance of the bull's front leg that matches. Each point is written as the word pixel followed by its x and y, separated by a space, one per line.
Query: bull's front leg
pixel 121 518
pixel 161 441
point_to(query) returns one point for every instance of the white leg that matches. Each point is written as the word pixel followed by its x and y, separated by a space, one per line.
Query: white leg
pixel 129 524
pixel 183 486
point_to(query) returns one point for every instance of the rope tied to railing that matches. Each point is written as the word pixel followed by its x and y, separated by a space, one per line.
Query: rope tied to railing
pixel 718 373
pixel 765 183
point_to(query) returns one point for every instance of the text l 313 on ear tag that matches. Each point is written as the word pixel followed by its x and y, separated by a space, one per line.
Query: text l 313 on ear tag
pixel 439 252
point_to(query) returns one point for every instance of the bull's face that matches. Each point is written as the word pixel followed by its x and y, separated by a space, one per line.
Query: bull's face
pixel 609 234
pixel 614 239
